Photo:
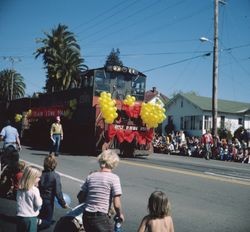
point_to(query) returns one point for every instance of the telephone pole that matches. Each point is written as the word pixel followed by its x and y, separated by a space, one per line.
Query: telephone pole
pixel 215 65
pixel 215 70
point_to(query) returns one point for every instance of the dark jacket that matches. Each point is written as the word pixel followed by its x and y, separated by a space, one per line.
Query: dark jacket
pixel 50 187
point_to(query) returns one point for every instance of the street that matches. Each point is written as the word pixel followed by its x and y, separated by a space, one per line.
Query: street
pixel 205 195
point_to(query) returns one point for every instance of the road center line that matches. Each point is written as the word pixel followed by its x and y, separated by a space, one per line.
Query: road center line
pixel 220 178
pixel 212 177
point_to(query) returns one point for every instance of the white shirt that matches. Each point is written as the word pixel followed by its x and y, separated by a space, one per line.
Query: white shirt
pixel 9 134
pixel 29 202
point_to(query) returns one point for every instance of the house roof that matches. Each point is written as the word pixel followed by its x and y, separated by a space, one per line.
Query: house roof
pixel 150 94
pixel 225 106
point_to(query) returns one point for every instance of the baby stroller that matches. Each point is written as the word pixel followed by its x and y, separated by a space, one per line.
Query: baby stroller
pixel 72 221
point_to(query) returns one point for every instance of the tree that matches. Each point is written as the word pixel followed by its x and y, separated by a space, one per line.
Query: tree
pixel 113 58
pixel 9 78
pixel 61 58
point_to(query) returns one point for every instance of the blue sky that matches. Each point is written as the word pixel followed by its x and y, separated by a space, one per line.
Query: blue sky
pixel 157 37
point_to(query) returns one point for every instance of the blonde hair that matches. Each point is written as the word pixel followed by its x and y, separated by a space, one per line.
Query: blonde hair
pixel 21 165
pixel 108 159
pixel 29 177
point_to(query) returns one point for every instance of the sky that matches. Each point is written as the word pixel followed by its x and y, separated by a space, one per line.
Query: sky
pixel 157 37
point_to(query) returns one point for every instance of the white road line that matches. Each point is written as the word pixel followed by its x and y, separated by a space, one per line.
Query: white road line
pixel 226 176
pixel 60 173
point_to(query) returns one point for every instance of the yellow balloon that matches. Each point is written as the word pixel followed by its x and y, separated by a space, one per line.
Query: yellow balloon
pixel 103 94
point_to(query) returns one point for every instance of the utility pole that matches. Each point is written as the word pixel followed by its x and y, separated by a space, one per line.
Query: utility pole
pixel 215 70
pixel 215 65
pixel 12 59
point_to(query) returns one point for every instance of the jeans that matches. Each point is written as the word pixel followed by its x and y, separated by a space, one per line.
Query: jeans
pixel 46 214
pixel 56 144
pixel 97 223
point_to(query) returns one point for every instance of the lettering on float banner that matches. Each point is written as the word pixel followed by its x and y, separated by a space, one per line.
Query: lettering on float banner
pixel 47 112
pixel 130 127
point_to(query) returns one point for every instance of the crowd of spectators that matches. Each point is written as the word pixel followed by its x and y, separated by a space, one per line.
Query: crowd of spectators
pixel 233 149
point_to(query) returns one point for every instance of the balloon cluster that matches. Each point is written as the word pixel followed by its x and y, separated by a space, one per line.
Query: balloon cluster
pixel 108 107
pixel 18 117
pixel 129 100
pixel 152 114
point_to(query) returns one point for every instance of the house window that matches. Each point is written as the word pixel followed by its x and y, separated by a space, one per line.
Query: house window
pixel 181 124
pixel 222 122
pixel 181 103
pixel 186 123
pixel 200 124
pixel 240 121
pixel 192 123
pixel 170 119
pixel 208 123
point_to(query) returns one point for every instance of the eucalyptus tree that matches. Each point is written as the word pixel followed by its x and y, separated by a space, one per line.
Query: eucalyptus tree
pixel 61 58
pixel 11 84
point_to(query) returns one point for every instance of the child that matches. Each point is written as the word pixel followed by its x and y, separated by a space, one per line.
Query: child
pixel 29 200
pixel 158 219
pixel 10 179
pixel 50 187
pixel 17 176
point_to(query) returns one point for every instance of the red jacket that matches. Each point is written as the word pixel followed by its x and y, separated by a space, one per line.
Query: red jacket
pixel 207 138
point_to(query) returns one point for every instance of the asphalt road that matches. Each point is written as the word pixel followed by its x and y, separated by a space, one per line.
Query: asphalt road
pixel 205 195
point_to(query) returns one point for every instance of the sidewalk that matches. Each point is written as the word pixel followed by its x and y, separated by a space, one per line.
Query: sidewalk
pixel 7 216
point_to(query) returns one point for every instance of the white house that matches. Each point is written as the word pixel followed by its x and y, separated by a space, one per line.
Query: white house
pixel 154 96
pixel 193 114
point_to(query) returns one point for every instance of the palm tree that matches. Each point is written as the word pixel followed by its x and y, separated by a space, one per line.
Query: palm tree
pixel 10 79
pixel 61 58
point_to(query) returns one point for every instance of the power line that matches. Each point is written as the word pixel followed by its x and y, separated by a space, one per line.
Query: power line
pixel 177 62
pixel 134 23
pixel 102 20
pixel 99 16
pixel 151 31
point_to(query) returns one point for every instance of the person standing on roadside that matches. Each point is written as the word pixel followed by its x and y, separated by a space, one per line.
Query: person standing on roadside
pixel 10 136
pixel 29 200
pixel 50 187
pixel 207 143
pixel 100 189
pixel 11 146
pixel 56 135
